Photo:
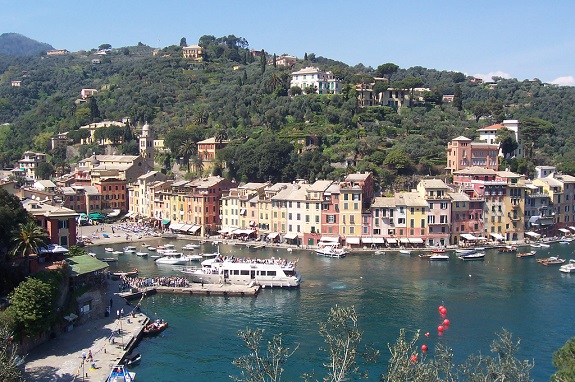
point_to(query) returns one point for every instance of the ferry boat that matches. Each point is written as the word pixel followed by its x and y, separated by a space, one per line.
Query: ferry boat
pixel 268 273
pixel 120 374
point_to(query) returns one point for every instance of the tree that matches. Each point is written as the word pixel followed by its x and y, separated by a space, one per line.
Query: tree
pixel 12 214
pixel 564 361
pixel 183 42
pixel 398 160
pixel 32 304
pixel 533 129
pixel 9 359
pixel 410 83
pixel 387 70
pixel 507 142
pixel 187 149
pixel 457 98
pixel 479 109
pixel 44 170
pixel 26 241
pixel 105 47
pixel 260 366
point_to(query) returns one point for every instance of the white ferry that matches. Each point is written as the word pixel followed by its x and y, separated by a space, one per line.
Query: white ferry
pixel 268 273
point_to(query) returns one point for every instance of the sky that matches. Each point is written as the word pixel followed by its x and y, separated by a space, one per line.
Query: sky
pixel 520 39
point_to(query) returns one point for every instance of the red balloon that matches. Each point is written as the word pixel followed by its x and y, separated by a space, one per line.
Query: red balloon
pixel 423 348
pixel 427 334
pixel 441 307
pixel 443 311
pixel 440 328
pixel 414 358
pixel 446 322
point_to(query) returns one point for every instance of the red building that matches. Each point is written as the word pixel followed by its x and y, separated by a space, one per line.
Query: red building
pixel 59 222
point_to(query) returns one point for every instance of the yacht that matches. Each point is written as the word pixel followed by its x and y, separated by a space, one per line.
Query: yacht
pixel 173 258
pixel 268 273
pixel 439 257
pixel 332 251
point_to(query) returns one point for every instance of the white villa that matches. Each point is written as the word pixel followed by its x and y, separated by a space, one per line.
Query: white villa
pixel 324 82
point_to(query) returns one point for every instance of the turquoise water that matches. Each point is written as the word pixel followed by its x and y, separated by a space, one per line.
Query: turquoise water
pixel 389 292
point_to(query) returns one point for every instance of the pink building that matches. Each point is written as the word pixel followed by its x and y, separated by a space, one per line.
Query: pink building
pixel 463 153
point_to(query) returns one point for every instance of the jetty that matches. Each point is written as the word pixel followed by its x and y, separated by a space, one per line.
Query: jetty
pixel 194 289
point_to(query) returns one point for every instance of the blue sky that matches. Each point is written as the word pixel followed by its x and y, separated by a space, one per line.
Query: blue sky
pixel 510 38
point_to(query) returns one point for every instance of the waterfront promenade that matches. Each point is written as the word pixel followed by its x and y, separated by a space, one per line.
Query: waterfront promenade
pixel 60 359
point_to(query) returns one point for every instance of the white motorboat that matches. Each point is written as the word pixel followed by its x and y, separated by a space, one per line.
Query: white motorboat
pixel 268 273
pixel 568 268
pixel 566 240
pixel 439 257
pixel 190 247
pixel 194 257
pixel 332 251
pixel 119 373
pixel 117 253
pixel 535 245
pixel 130 249
pixel 473 256
pixel 173 258
pixel 142 254
pixel 211 255
pixel 405 251
pixel 150 248
pixel 544 245
pixel 108 249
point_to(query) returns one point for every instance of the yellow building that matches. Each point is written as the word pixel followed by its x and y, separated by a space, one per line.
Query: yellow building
pixel 350 207
pixel 410 218
pixel 194 52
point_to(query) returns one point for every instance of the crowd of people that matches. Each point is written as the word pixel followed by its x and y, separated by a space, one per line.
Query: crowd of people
pixel 167 281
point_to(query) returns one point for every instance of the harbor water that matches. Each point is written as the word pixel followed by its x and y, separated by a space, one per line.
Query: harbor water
pixel 389 292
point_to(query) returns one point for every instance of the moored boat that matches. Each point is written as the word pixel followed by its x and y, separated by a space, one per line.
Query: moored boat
pixel 120 374
pixel 425 255
pixel 473 256
pixel 130 249
pixel 117 253
pixel 132 359
pixel 332 250
pixel 526 254
pixel 155 327
pixel 568 268
pixel 132 273
pixel 438 250
pixel 439 257
pixel 173 258
pixel 109 259
pixel 190 247
pixel 266 273
pixel 108 249
pixel 142 254
pixel 508 249
pixel 405 251
pixel 553 260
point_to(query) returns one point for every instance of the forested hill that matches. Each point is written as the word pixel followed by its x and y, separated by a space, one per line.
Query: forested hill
pixel 14 44
pixel 273 134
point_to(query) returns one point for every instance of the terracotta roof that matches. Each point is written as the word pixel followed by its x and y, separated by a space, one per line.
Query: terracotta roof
pixel 497 126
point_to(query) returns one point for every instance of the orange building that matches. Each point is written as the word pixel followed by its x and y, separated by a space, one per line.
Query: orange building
pixel 207 150
pixel 463 153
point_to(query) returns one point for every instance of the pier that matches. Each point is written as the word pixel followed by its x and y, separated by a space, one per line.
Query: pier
pixel 194 289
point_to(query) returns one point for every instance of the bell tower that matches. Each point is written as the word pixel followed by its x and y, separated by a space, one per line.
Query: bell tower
pixel 147 146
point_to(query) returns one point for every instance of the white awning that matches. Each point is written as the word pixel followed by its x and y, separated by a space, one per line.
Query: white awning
pixel 272 235
pixel 195 228
pixel 290 235
pixel 416 240
pixel 225 230
pixel 352 240
pixel 378 240
pixel 468 236
pixel 533 234
pixel 572 228
pixel 564 230
pixel 185 227
pixel 404 240
pixel 391 240
pixel 242 231
pixel 333 239
pixel 497 236
pixel 367 240
pixel 176 226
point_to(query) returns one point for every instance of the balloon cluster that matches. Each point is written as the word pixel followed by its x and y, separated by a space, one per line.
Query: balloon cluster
pixel 441 328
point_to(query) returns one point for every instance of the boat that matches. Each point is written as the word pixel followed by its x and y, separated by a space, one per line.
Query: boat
pixel 544 245
pixel 535 245
pixel 132 359
pixel 211 255
pixel 130 249
pixel 133 272
pixel 92 254
pixel 438 250
pixel 508 249
pixel 565 240
pixel 117 253
pixel 405 251
pixel 473 256
pixel 526 254
pixel 109 259
pixel 190 247
pixel 155 327
pixel 465 251
pixel 553 260
pixel 120 374
pixel 268 273
pixel 109 249
pixel 194 257
pixel 173 258
pixel 568 268
pixel 333 250
pixel 150 248
pixel 438 257
pixel 169 246
pixel 425 255
pixel 142 254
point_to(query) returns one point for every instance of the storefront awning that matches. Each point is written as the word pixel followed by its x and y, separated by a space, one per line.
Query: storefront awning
pixel 367 240
pixel 533 234
pixel 333 239
pixel 572 228
pixel 240 231
pixel 378 240
pixel 165 222
pixel 468 236
pixel 272 235
pixel 416 240
pixel 497 236
pixel 352 240
pixel 185 227
pixel 195 228
pixel 404 240
pixel 391 240
pixel 290 236
pixel 564 230
pixel 176 226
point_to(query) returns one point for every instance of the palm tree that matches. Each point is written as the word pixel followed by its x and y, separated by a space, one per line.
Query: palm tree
pixel 187 150
pixel 27 239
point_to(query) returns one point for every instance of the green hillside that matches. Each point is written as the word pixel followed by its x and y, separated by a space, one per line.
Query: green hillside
pixel 14 44
pixel 273 135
